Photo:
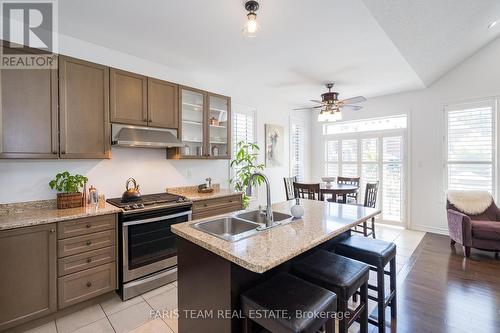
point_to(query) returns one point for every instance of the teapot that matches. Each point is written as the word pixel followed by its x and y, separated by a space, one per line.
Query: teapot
pixel 131 193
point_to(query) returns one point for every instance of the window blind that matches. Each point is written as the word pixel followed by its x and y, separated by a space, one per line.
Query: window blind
pixel 470 146
pixel 297 142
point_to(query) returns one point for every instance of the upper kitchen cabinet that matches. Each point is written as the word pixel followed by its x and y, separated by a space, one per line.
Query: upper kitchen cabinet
pixel 205 125
pixel 83 109
pixel 219 124
pixel 129 103
pixel 163 104
pixel 28 113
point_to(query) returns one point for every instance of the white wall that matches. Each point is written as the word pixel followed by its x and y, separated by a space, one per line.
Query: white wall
pixel 25 180
pixel 477 77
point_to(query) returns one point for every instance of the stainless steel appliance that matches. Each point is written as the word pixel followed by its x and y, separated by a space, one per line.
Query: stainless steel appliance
pixel 148 253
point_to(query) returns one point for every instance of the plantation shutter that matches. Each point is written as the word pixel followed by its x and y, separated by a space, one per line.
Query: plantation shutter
pixel 471 146
pixel 297 142
pixel 243 128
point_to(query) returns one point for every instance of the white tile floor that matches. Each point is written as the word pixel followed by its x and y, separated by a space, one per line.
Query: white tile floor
pixel 138 314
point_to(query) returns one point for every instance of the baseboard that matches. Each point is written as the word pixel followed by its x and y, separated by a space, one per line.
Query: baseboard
pixel 426 228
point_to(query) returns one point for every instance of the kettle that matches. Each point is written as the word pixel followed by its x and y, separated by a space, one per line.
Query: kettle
pixel 131 193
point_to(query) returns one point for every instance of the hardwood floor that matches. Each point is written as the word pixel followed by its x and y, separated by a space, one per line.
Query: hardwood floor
pixel 441 291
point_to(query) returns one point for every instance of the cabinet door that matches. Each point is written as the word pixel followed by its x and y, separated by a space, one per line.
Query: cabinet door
pixel 84 109
pixel 219 125
pixel 28 279
pixel 192 128
pixel 28 113
pixel 163 104
pixel 128 98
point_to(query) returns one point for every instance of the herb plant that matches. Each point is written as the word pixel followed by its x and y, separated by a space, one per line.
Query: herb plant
pixel 67 183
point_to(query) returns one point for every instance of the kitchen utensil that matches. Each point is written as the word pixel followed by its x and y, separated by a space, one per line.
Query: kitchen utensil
pixel 131 193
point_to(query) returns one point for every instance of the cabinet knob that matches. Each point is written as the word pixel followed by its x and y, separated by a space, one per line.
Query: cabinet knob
pixel 88 226
pixel 89 242
pixel 205 205
pixel 145 120
pixel 52 230
pixel 89 284
pixel 89 260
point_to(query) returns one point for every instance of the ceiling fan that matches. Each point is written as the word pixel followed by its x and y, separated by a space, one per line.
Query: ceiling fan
pixel 331 106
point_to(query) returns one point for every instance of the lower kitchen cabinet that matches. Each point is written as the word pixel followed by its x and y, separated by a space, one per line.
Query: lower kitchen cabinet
pixel 216 206
pixel 28 261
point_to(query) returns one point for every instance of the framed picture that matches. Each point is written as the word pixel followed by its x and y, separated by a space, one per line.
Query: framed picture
pixel 275 136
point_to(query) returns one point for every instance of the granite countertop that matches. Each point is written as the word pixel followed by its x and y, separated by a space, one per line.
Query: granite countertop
pixel 191 192
pixel 25 214
pixel 321 221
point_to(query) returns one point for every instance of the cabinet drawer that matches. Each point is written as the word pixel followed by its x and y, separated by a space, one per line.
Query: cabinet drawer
pixel 216 203
pixel 85 226
pixel 75 245
pixel 78 287
pixel 86 260
pixel 216 211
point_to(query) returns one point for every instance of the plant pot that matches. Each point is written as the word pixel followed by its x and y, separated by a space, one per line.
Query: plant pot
pixel 69 200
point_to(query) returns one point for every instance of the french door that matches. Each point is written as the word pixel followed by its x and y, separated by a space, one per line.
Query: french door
pixel 373 156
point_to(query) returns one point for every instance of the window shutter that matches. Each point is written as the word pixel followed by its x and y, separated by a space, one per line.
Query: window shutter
pixel 297 142
pixel 471 146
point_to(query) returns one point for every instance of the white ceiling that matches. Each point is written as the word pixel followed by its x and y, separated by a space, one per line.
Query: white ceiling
pixel 394 47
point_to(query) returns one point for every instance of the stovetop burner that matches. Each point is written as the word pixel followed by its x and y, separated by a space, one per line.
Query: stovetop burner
pixel 150 201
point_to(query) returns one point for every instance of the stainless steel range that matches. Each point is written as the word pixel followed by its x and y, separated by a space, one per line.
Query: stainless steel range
pixel 148 253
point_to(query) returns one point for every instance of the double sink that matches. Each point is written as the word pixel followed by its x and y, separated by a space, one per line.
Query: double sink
pixel 238 226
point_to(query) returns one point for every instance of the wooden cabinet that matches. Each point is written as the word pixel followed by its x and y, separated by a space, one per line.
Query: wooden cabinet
pixel 163 104
pixel 216 206
pixel 28 114
pixel 128 94
pixel 83 109
pixel 205 125
pixel 28 262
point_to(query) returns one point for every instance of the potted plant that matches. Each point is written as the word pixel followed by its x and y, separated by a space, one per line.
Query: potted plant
pixel 245 164
pixel 68 188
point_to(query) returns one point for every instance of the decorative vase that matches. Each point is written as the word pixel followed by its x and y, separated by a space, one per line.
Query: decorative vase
pixel 297 210
pixel 69 200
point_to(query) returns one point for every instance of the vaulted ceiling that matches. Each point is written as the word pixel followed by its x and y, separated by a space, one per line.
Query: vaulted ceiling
pixel 369 47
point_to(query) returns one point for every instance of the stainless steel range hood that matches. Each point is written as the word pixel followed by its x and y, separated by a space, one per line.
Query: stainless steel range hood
pixel 145 137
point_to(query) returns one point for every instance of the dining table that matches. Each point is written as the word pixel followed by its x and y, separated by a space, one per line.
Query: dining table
pixel 337 190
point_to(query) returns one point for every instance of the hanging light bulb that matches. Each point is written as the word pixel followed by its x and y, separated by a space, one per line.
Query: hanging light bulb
pixel 251 27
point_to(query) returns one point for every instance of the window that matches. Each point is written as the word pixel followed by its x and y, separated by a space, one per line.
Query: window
pixel 243 126
pixel 297 148
pixel 351 149
pixel 470 146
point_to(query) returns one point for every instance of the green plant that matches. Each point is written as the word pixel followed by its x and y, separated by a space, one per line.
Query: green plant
pixel 66 183
pixel 245 165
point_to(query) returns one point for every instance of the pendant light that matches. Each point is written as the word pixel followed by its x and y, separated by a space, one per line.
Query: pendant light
pixel 251 27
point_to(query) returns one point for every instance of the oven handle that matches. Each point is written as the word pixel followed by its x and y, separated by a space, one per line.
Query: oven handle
pixel 156 219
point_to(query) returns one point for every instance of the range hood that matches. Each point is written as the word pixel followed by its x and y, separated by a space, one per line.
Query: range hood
pixel 145 137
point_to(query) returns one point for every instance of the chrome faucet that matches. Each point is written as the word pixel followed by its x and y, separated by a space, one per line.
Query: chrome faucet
pixel 269 208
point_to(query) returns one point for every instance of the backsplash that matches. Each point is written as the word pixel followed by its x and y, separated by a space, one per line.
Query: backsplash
pixel 25 180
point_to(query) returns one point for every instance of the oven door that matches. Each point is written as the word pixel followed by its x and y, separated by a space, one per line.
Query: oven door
pixel 149 244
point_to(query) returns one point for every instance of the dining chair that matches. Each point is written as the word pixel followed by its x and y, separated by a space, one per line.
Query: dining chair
pixel 352 197
pixel 307 191
pixel 289 191
pixel 370 202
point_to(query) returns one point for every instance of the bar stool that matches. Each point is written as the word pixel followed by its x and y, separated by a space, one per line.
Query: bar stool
pixel 344 277
pixel 376 253
pixel 285 292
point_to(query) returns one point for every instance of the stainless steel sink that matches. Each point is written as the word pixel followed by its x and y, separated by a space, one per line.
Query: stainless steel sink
pixel 257 216
pixel 228 228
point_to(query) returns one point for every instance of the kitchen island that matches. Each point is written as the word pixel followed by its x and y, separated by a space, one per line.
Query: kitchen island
pixel 212 272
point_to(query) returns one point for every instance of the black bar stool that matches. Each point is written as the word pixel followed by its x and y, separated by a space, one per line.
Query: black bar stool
pixel 285 292
pixel 344 277
pixel 377 254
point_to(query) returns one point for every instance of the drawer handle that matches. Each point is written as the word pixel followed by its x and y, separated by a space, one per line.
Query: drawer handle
pixel 88 226
pixel 89 260
pixel 89 242
pixel 89 284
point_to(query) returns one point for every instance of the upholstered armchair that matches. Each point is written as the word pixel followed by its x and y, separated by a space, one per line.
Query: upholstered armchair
pixel 473 221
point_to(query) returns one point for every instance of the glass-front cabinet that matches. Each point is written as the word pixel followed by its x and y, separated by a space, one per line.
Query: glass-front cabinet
pixel 205 120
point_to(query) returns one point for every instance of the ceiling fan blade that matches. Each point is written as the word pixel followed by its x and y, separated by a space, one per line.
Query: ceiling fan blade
pixel 354 100
pixel 309 108
pixel 316 101
pixel 350 107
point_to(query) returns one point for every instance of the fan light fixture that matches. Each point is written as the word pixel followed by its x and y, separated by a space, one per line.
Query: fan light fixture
pixel 329 114
pixel 251 27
